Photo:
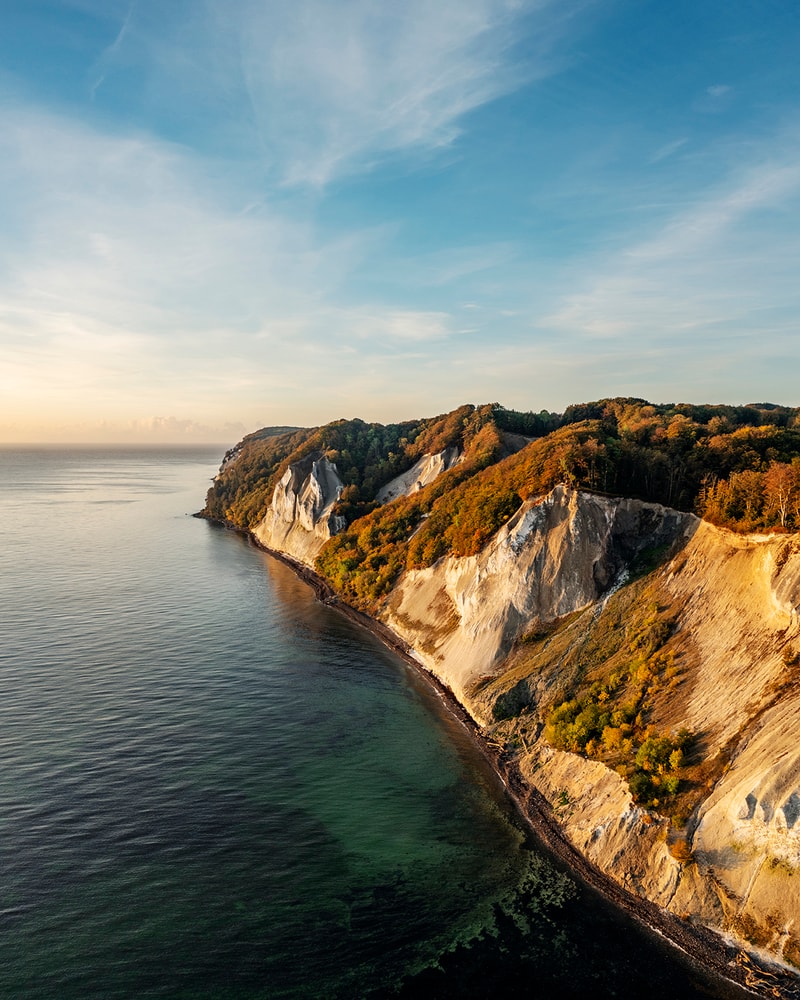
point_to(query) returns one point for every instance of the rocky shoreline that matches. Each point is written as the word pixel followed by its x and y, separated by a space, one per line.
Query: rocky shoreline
pixel 709 950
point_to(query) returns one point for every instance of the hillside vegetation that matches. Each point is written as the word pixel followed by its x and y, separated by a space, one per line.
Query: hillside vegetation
pixel 638 666
pixel 736 466
pixel 617 688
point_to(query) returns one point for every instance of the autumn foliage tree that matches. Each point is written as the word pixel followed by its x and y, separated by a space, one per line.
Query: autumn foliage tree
pixel 735 466
pixel 754 499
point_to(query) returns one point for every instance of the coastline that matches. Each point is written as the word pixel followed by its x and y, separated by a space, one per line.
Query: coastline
pixel 703 947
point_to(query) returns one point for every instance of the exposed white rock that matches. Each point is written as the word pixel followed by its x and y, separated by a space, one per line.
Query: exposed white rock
pixel 737 597
pixel 300 518
pixel 554 556
pixel 419 475
pixel 595 809
pixel 748 834
pixel 738 601
pixel 229 459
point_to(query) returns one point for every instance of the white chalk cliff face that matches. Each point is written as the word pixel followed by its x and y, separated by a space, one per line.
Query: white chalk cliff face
pixel 554 555
pixel 745 623
pixel 300 518
pixel 747 839
pixel 739 599
pixel 737 625
pixel 421 474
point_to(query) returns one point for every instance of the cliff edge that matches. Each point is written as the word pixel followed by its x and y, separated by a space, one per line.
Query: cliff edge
pixel 638 665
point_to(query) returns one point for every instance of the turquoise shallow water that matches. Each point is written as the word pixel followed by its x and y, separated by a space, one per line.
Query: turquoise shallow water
pixel 213 786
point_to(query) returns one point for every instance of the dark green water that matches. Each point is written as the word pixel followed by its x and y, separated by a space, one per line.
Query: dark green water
pixel 213 786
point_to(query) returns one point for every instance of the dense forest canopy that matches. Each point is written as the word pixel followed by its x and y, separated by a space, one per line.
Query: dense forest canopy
pixel 737 466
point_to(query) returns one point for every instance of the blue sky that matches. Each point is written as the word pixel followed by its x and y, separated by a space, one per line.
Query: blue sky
pixel 221 214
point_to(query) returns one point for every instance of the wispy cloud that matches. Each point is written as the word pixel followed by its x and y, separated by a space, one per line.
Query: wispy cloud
pixel 391 326
pixel 125 265
pixel 106 58
pixel 332 88
pixel 716 98
pixel 668 149
pixel 337 85
pixel 266 212
pixel 764 187
pixel 711 269
pixel 445 267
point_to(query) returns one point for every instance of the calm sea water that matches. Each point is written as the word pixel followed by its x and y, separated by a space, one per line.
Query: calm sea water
pixel 213 786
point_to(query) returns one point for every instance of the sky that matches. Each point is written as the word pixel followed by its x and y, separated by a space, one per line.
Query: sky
pixel 217 215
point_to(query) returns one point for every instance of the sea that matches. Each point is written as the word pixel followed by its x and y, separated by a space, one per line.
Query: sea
pixel 213 786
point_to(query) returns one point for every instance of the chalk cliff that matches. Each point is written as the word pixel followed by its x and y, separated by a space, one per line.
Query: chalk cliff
pixel 569 552
pixel 734 602
pixel 300 518
pixel 421 474
pixel 557 554
pixel 658 622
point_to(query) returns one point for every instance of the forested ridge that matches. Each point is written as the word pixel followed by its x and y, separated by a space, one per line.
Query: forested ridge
pixel 737 466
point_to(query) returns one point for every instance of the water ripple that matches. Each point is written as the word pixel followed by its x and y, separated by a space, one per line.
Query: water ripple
pixel 210 782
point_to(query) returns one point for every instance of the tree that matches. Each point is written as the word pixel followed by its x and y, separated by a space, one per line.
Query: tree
pixel 746 499
pixel 780 486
